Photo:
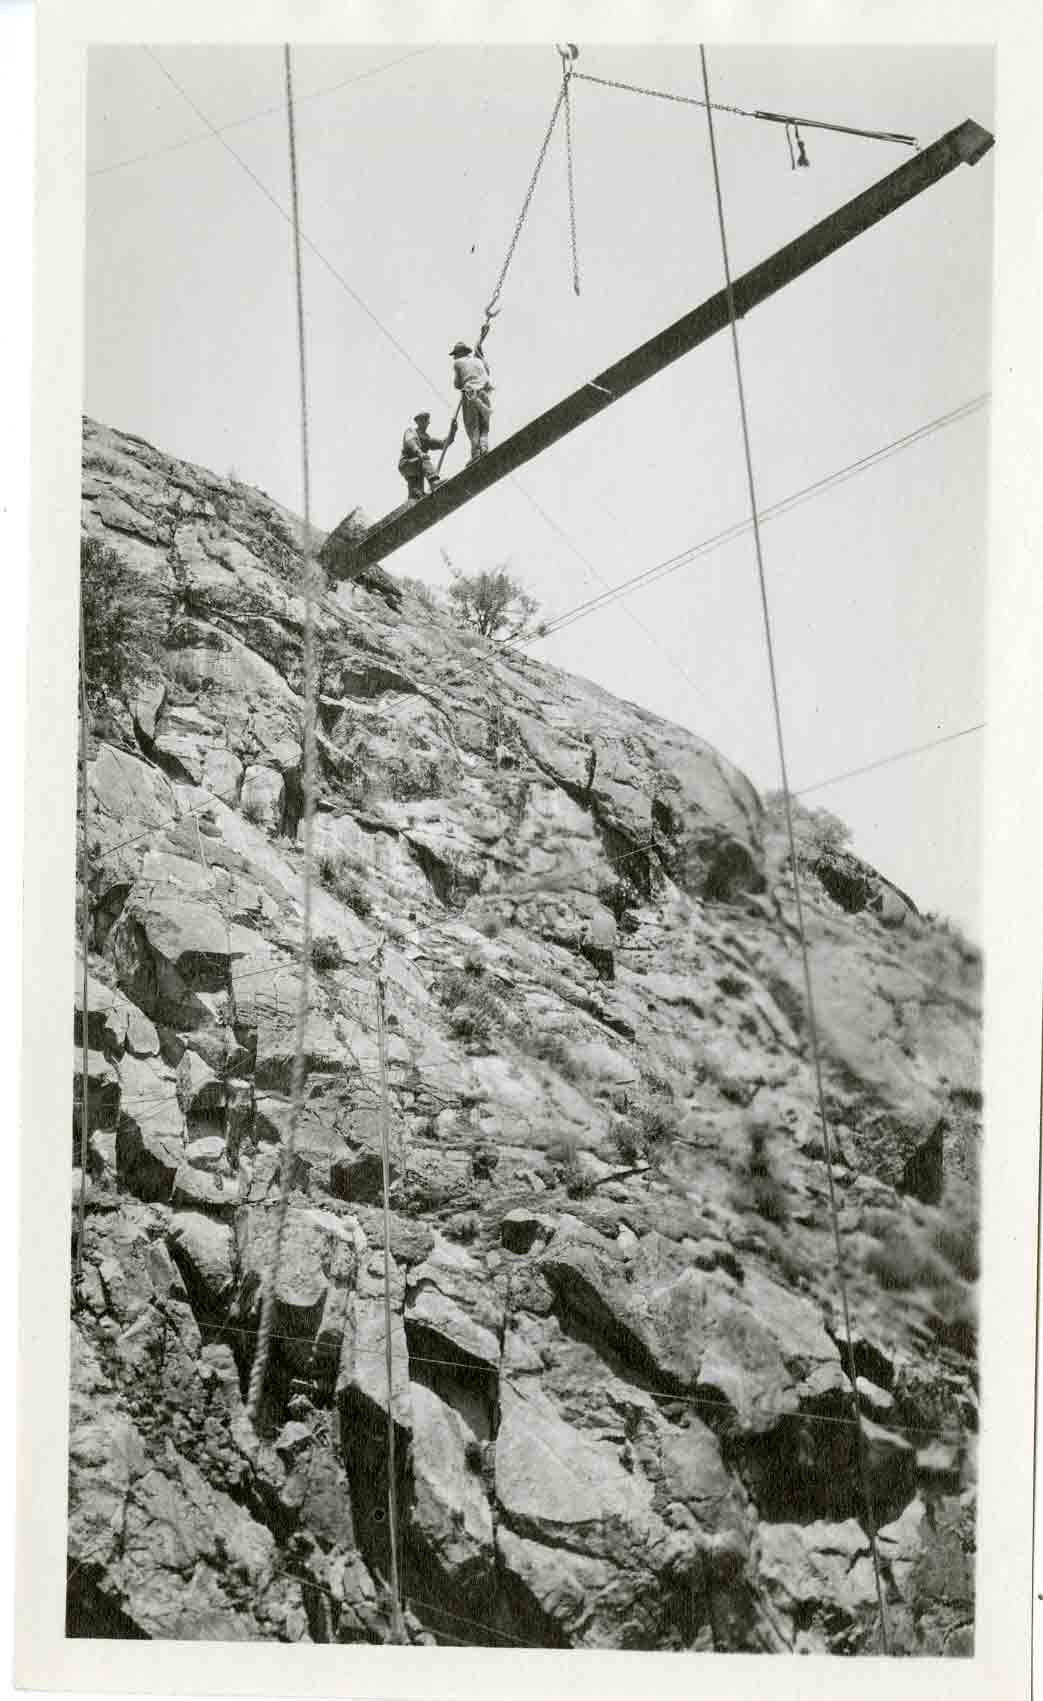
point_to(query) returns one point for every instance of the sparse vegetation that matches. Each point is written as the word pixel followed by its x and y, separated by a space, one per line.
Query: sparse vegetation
pixel 475 1010
pixel 326 953
pixel 817 831
pixel 760 1190
pixel 579 1183
pixel 253 811
pixel 121 643
pixel 494 604
pixel 649 1126
pixel 550 1046
pixel 339 873
pixel 425 594
pixel 466 1227
pixel 484 1161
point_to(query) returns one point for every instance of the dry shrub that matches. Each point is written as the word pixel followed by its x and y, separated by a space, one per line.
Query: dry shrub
pixel 338 872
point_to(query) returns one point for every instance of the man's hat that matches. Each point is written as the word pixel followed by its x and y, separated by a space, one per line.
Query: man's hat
pixel 417 417
pixel 459 348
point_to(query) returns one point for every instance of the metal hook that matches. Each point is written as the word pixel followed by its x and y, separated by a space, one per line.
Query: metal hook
pixel 569 54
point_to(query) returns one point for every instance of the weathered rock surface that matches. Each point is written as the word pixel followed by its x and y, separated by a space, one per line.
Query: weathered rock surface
pixel 619 1386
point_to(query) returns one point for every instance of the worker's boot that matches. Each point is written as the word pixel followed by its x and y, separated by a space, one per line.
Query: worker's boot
pixel 434 481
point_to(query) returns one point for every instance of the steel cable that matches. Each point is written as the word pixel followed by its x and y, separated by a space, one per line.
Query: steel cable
pixel 260 1363
pixel 813 1033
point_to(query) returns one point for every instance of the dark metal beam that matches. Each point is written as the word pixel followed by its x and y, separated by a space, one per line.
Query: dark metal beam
pixel 964 145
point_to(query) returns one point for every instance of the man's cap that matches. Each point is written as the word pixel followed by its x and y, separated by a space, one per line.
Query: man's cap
pixel 417 417
pixel 459 348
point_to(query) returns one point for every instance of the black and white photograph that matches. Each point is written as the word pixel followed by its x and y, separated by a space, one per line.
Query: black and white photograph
pixel 526 911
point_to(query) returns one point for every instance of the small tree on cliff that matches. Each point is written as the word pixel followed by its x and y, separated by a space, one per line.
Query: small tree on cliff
pixel 493 604
pixel 119 637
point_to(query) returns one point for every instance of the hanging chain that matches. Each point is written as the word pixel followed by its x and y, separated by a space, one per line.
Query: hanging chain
pixel 494 298
pixel 566 75
pixel 658 94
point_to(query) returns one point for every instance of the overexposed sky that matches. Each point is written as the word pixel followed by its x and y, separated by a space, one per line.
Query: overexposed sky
pixel 413 165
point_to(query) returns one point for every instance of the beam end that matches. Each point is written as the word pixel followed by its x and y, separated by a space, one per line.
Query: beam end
pixel 972 142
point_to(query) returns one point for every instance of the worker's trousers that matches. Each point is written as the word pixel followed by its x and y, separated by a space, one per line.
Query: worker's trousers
pixel 476 409
pixel 415 472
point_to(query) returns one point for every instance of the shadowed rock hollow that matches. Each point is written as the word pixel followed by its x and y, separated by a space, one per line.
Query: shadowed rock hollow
pixel 621 1408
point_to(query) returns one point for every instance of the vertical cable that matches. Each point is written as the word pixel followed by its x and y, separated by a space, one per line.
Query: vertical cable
pixel 805 959
pixel 264 1333
pixel 566 76
pixel 85 924
pixel 397 1629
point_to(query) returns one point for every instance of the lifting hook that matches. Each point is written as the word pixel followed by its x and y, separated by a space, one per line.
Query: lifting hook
pixel 569 54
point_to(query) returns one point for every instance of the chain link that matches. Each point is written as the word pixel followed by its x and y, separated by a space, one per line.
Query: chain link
pixel 572 190
pixel 659 94
pixel 494 298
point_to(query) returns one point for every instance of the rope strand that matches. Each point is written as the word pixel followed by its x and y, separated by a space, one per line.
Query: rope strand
pixel 260 1363
pixel 85 923
pixel 827 1138
pixel 398 1628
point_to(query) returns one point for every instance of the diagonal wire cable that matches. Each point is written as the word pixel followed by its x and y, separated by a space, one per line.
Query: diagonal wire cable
pixel 819 487
pixel 260 1362
pixel 887 761
pixel 254 117
pixel 804 951
pixel 300 236
pixel 746 112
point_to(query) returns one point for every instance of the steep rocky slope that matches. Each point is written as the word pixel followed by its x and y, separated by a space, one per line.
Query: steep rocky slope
pixel 622 1415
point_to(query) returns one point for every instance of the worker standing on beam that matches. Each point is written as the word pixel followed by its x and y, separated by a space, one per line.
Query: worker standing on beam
pixel 471 378
pixel 415 463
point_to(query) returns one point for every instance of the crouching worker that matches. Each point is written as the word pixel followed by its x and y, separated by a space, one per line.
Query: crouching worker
pixel 415 463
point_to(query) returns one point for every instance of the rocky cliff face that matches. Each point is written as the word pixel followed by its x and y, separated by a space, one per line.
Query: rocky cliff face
pixel 620 1405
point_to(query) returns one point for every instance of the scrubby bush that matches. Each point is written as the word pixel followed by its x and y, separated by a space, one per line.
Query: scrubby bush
pixel 121 644
pixel 649 1122
pixel 338 872
pixel 816 831
pixel 760 1189
pixel 423 593
pixel 253 811
pixel 628 1143
pixel 548 1045
pixel 466 1227
pixel 903 1259
pixel 494 604
pixel 475 1011
pixel 579 1183
pixel 484 1162
pixel 326 953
